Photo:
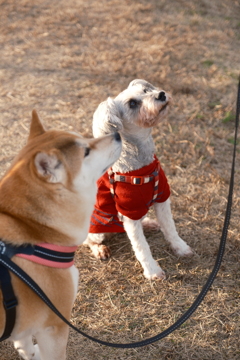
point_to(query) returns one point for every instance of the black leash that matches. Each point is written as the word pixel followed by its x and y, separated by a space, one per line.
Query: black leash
pixel 10 265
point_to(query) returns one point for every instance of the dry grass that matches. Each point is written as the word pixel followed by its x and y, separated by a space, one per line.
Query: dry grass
pixel 63 58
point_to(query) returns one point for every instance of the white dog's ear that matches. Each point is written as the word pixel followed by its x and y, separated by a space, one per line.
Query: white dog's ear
pixel 134 82
pixel 142 83
pixel 106 119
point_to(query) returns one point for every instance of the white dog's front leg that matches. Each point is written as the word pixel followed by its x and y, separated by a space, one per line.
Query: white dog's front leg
pixel 167 225
pixel 134 230
pixel 100 251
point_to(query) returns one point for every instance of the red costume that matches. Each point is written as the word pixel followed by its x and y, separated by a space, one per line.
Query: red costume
pixel 130 193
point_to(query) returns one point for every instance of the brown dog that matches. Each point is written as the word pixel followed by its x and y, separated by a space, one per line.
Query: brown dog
pixel 47 197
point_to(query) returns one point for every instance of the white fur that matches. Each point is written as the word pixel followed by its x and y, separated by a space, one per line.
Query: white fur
pixel 135 125
pixel 167 225
pixel 26 349
pixel 141 248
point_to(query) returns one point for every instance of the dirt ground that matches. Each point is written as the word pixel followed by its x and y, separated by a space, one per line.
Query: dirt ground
pixel 65 57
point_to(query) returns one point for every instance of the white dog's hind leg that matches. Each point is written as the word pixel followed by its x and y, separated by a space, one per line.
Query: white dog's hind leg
pixel 26 349
pixel 150 224
pixel 134 230
pixel 100 251
pixel 167 225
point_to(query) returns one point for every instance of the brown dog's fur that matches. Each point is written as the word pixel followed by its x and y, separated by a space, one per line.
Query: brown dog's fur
pixel 47 196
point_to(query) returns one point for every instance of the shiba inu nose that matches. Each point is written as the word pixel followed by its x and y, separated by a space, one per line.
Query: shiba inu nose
pixel 117 136
pixel 161 96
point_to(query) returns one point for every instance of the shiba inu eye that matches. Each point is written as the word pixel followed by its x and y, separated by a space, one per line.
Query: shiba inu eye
pixel 87 151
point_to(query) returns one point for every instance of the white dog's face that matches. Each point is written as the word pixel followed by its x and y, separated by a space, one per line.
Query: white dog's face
pixel 141 105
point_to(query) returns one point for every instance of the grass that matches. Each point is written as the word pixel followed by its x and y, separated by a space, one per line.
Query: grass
pixel 229 116
pixel 208 63
pixel 232 141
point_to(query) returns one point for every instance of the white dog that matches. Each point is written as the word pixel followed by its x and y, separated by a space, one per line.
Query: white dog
pixel 136 181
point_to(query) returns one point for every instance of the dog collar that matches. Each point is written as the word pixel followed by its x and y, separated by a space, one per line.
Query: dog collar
pixel 51 255
pixel 134 180
pixel 137 179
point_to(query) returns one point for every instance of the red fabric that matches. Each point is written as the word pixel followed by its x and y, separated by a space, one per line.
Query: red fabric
pixel 130 200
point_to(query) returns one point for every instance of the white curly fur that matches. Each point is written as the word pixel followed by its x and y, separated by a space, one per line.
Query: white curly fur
pixel 135 125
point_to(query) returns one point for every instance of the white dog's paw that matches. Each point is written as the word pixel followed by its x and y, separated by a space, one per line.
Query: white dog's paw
pixel 181 248
pixel 155 273
pixel 150 224
pixel 100 251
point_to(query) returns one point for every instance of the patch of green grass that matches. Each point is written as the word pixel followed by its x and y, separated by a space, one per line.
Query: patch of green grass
pixel 229 116
pixel 234 75
pixel 213 104
pixel 207 63
pixel 200 116
pixel 232 140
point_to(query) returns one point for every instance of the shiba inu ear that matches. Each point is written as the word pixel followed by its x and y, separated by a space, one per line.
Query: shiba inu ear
pixel 36 127
pixel 50 167
pixel 106 119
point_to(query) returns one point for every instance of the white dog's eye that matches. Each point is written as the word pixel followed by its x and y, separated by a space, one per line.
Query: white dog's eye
pixel 87 151
pixel 133 104
pixel 147 90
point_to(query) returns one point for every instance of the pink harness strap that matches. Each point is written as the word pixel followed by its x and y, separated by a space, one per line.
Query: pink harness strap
pixel 56 252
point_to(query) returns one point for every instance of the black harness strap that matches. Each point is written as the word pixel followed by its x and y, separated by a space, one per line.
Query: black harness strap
pixel 52 255
pixel 11 266
pixel 10 302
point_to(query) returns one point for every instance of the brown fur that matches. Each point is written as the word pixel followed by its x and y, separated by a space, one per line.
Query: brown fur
pixel 41 201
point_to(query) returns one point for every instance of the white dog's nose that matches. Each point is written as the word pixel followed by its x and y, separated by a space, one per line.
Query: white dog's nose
pixel 161 96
